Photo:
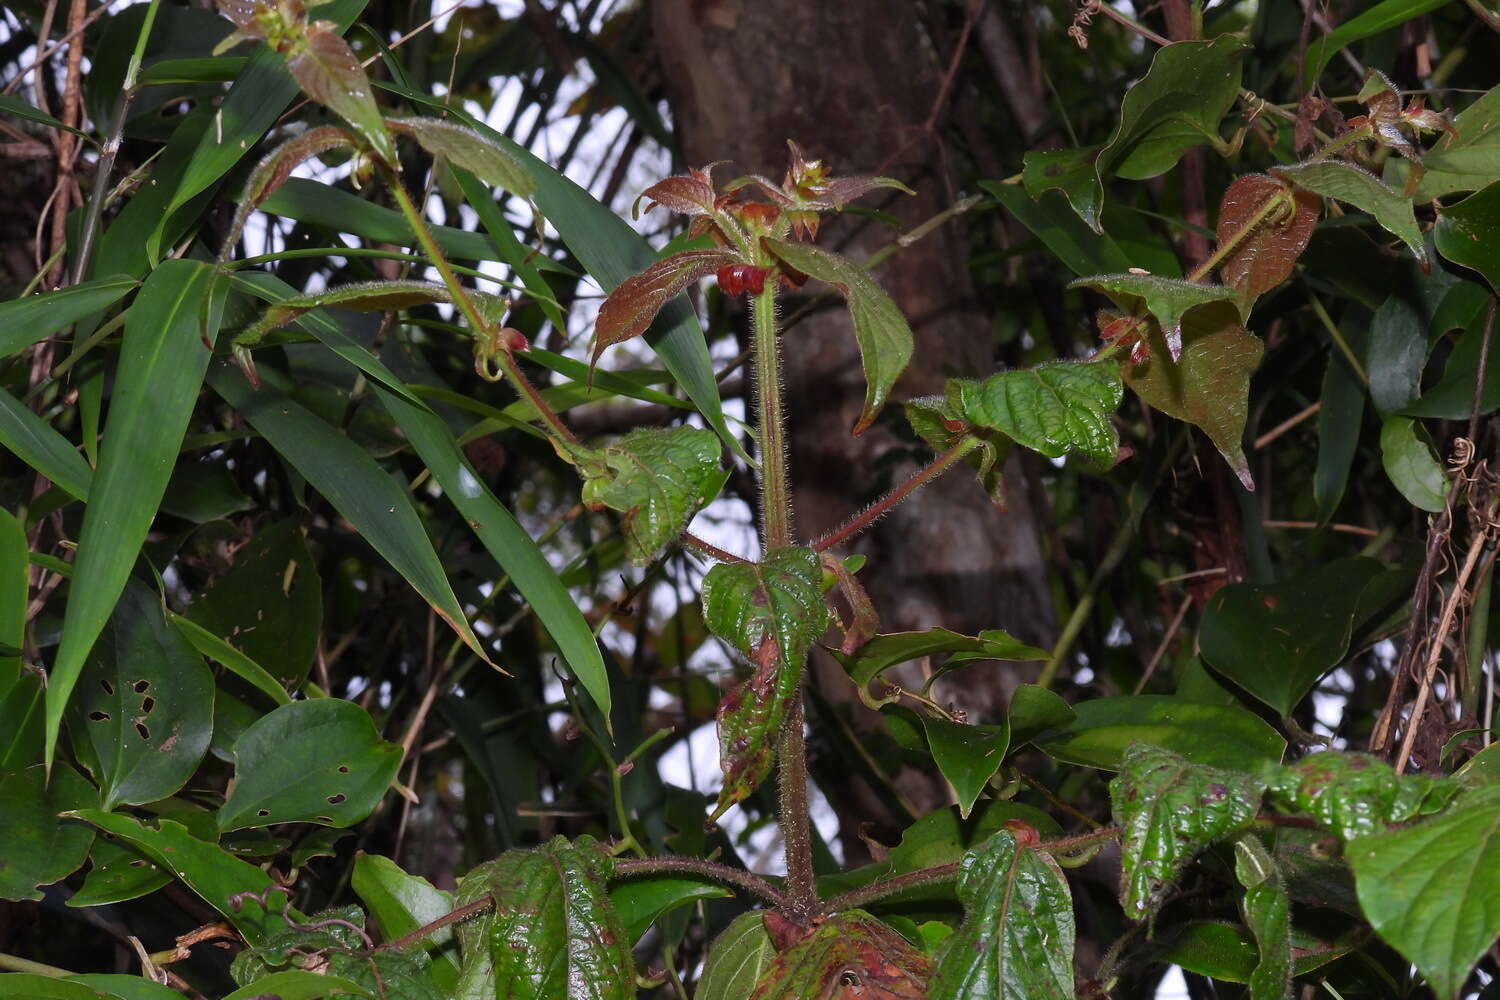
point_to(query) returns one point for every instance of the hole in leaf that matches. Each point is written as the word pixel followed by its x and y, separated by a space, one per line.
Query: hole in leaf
pixel 147 704
pixel 140 727
pixel 848 978
pixel 139 863
pixel 325 819
pixel 107 686
pixel 141 687
pixel 262 812
pixel 99 716
pixel 334 800
pixel 343 769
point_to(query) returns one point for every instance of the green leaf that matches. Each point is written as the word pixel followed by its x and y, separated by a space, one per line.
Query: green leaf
pixel 641 902
pixel 1355 794
pixel 1168 299
pixel 1268 913
pixel 17 108
pixel 126 987
pixel 1210 386
pixel 1339 423
pixel 657 479
pixel 401 903
pixel 24 986
pixel 162 360
pixel 117 873
pixel 885 338
pixel 223 881
pixel 40 848
pixel 25 321
pixel 555 935
pixel 336 778
pixel 1169 809
pixel 15 586
pixel 1072 172
pixel 736 959
pixel 779 598
pixel 1053 222
pixel 1354 186
pixel 1468 233
pixel 1397 354
pixel 1381 17
pixel 881 653
pixel 936 421
pixel 505 540
pixel 1016 939
pixel 368 296
pixel 1465 160
pixel 967 755
pixel 295 984
pixel 1036 711
pixel 237 663
pixel 633 303
pixel 145 704
pixel 337 935
pixel 1205 734
pixel 342 212
pixel 1431 889
pixel 466 149
pixel 1276 640
pixel 851 952
pixel 476 979
pixel 328 71
pixel 269 606
pixel 1407 455
pixel 33 441
pixel 1056 408
pixel 379 509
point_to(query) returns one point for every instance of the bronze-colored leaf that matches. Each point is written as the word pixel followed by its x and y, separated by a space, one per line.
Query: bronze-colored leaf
pixel 274 169
pixel 329 72
pixel 1263 257
pixel 635 301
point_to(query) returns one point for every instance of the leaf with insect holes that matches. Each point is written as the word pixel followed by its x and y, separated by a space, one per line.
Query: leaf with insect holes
pixel 1169 809
pixel 328 71
pixel 1170 300
pixel 937 422
pixel 340 771
pixel 657 479
pixel 635 301
pixel 369 296
pixel 1056 408
pixel 467 149
pixel 1210 386
pixel 1356 794
pixel 274 169
pixel 1263 256
pixel 1016 938
pixel 1358 187
pixel 1267 911
pixel 885 339
pixel 554 934
pixel 848 956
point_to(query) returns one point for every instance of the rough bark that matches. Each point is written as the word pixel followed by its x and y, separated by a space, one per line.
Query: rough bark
pixel 853 83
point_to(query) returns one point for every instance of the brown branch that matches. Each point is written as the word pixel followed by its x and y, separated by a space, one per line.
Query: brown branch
pixel 737 877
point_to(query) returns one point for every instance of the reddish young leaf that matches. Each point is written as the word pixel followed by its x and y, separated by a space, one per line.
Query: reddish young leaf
pixel 691 193
pixel 272 172
pixel 1263 257
pixel 329 72
pixel 635 301
pixel 749 720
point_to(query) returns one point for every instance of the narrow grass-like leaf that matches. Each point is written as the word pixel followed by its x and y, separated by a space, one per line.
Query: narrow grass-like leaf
pixel 14 583
pixel 23 322
pixel 505 540
pixel 512 251
pixel 162 360
pixel 230 658
pixel 379 509
pixel 33 441
pixel 14 106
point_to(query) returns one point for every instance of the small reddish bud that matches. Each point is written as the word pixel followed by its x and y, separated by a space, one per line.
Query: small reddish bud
pixel 760 214
pixel 513 339
pixel 1026 835
pixel 731 280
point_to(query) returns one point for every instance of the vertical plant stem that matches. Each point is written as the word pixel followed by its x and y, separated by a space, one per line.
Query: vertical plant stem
pixel 775 491
pixel 796 826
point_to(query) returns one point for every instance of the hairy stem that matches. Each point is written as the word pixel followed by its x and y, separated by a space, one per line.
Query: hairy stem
pixel 878 509
pixel 796 826
pixel 739 878
pixel 776 494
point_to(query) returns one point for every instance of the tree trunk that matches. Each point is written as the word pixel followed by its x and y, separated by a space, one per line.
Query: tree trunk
pixel 853 84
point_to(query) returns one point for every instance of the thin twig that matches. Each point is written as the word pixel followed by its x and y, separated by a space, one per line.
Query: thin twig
pixel 1287 424
pixel 879 508
pixel 1166 640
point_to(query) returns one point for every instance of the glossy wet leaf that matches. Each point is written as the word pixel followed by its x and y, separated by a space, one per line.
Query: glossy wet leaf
pixel 1406 452
pixel 26 986
pixel 476 978
pixel 126 987
pixel 379 509
pixel 144 706
pixel 935 420
pixel 328 71
pixel 1213 735
pixel 881 653
pixel 657 479
pixel 296 984
pixel 507 541
pixel 1264 256
pixel 1056 408
pixel 1276 640
pixel 1016 939
pixel 555 935
pixel 269 606
pixel 1168 809
pixel 206 868
pixel 736 959
pixel 162 361
pixel 338 773
pixel 1468 233
pixel 1396 356
pixel 1210 386
pixel 337 936
pixel 1168 299
pixel 885 338
pixel 468 150
pixel 400 903
pixel 1356 794
pixel 1432 889
pixel 231 659
pixel 634 302
pixel 849 956
pixel 27 320
pixel 1363 190
pixel 1267 911
pixel 41 847
pixel 641 902
pixel 967 755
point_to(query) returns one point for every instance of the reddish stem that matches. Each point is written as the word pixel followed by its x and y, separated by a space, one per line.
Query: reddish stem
pixel 878 509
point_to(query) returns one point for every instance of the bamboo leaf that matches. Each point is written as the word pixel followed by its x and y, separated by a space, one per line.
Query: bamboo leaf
pixel 466 149
pixel 33 441
pixel 23 322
